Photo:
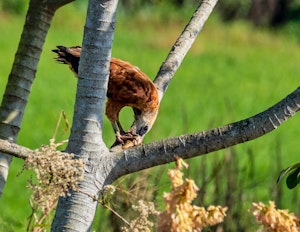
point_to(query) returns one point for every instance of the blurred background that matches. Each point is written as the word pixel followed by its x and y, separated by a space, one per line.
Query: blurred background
pixel 245 60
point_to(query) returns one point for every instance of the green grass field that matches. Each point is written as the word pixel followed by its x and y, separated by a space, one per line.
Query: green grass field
pixel 232 72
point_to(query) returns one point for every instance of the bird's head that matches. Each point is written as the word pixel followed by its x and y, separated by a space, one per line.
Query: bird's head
pixel 143 123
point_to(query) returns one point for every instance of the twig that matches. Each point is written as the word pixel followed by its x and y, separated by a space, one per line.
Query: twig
pixel 45 214
pixel 106 206
pixel 62 114
pixel 116 213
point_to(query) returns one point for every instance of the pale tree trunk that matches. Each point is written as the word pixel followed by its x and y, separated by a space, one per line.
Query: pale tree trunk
pixel 22 74
pixel 76 212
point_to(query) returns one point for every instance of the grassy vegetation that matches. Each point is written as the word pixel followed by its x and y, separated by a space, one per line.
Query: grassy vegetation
pixel 233 71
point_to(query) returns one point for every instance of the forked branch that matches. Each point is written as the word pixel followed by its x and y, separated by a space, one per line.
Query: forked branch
pixel 190 145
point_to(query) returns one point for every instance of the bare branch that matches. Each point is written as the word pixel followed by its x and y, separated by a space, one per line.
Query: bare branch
pixel 191 145
pixel 13 149
pixel 182 45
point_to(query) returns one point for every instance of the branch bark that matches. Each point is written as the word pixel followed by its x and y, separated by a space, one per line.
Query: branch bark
pixel 76 212
pixel 182 46
pixel 191 145
pixel 13 149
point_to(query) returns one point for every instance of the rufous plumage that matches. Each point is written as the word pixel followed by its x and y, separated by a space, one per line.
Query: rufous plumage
pixel 127 86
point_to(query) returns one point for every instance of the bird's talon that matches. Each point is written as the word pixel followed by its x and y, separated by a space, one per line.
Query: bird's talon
pixel 123 137
pixel 119 138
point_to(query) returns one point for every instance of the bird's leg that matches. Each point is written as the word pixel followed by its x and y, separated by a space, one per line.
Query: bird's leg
pixel 135 139
pixel 120 127
pixel 124 135
pixel 132 129
pixel 121 135
pixel 117 132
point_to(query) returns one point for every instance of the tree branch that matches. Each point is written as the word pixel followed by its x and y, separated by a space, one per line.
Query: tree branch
pixel 191 145
pixel 182 45
pixel 10 148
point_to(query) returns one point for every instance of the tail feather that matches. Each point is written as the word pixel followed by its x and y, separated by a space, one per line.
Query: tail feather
pixel 69 56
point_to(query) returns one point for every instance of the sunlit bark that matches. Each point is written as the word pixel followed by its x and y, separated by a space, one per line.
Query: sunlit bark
pixel 76 212
pixel 21 77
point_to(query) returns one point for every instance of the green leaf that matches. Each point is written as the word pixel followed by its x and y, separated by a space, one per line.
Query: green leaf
pixel 288 170
pixel 293 179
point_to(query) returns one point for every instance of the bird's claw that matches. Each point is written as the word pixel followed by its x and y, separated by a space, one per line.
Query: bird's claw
pixel 123 137
pixel 127 139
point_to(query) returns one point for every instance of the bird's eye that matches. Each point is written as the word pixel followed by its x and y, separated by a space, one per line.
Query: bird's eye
pixel 143 130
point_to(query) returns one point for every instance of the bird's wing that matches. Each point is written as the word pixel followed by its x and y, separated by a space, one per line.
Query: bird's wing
pixel 127 85
pixel 130 86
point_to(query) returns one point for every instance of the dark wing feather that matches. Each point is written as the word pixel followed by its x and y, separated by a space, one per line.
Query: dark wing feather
pixel 70 56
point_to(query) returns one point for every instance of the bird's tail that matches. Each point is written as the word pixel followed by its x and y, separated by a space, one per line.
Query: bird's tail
pixel 69 56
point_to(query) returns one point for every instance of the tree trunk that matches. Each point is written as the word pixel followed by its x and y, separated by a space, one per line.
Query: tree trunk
pixel 76 212
pixel 21 77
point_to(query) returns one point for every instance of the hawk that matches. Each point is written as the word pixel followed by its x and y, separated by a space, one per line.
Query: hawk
pixel 127 86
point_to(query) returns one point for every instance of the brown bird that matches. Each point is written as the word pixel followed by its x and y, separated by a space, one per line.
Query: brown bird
pixel 127 86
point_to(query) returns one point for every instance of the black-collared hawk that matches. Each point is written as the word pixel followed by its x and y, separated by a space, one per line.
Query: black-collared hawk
pixel 127 86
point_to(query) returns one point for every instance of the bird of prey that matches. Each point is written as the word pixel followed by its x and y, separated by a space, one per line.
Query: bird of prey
pixel 127 86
